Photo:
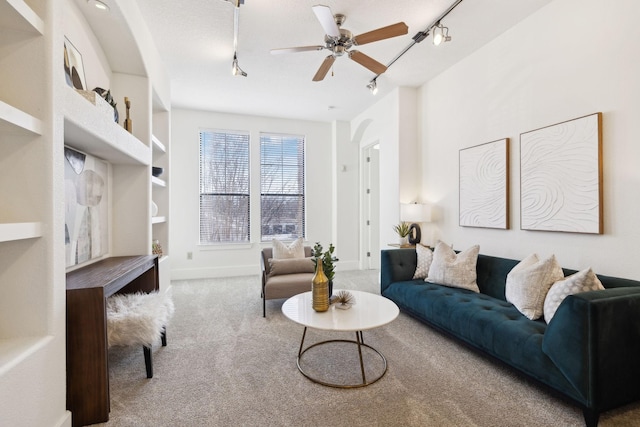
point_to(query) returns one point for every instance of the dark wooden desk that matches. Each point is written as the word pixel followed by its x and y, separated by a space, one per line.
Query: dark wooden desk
pixel 87 356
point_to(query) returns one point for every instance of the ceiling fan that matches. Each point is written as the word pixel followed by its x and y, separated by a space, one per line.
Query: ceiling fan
pixel 339 40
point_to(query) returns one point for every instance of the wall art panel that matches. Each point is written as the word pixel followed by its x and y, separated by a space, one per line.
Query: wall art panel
pixel 484 185
pixel 561 177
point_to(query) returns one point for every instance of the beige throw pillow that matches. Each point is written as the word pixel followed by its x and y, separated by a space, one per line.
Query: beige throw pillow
pixel 582 281
pixel 454 270
pixel 294 250
pixel 279 267
pixel 425 256
pixel 528 283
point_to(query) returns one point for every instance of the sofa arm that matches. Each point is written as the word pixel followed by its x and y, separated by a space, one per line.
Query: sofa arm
pixel 396 265
pixel 594 339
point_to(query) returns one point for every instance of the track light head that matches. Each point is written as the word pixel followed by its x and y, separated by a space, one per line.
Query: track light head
pixel 235 68
pixel 440 34
pixel 373 86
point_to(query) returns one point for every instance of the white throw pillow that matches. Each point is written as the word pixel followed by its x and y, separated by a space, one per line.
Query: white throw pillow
pixel 582 281
pixel 454 270
pixel 528 283
pixel 425 256
pixel 294 250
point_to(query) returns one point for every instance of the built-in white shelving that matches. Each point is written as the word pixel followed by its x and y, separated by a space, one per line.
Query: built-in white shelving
pixel 20 231
pixel 158 219
pixel 15 350
pixel 17 15
pixel 157 145
pixel 17 122
pixel 158 182
pixel 88 129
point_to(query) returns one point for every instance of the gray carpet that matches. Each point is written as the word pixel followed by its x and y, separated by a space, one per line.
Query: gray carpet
pixel 226 365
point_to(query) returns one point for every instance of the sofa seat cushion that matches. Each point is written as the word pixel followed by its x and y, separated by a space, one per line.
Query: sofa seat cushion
pixel 489 324
pixel 288 284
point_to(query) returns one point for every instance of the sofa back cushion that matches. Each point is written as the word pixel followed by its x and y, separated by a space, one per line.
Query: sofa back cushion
pixel 492 275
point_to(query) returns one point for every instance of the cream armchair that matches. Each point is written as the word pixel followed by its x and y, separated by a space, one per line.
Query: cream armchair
pixel 284 278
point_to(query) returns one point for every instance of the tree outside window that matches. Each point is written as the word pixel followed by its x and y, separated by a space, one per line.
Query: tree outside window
pixel 224 187
pixel 282 190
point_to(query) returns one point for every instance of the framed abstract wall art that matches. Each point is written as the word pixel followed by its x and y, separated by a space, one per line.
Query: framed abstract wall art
pixel 561 177
pixel 86 221
pixel 73 66
pixel 484 185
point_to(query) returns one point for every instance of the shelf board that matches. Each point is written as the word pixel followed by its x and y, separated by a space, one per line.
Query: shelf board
pixel 18 122
pixel 158 219
pixel 20 231
pixel 17 15
pixel 15 350
pixel 158 182
pixel 157 145
pixel 88 129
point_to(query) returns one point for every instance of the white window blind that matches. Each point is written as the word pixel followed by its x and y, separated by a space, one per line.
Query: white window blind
pixel 224 187
pixel 282 192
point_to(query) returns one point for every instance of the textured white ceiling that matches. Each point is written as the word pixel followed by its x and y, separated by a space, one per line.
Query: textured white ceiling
pixel 195 41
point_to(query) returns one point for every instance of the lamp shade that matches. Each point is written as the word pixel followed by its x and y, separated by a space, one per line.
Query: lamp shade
pixel 415 212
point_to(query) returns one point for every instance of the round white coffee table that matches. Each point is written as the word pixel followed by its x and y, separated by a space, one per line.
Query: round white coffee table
pixel 370 311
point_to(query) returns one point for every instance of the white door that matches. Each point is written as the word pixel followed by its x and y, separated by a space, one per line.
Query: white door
pixel 371 207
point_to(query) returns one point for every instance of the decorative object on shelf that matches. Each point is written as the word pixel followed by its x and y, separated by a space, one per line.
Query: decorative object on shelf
pixel 484 185
pixel 415 213
pixel 328 260
pixel 127 122
pixel 154 209
pixel 561 177
pixel 156 171
pixel 106 95
pixel 343 300
pixel 403 232
pixel 98 101
pixel 156 249
pixel 73 66
pixel 86 207
pixel 319 289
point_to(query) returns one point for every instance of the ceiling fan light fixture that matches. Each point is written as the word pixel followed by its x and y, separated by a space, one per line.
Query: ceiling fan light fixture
pixel 440 34
pixel 373 86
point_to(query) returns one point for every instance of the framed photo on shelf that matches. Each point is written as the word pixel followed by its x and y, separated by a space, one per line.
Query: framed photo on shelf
pixel 73 66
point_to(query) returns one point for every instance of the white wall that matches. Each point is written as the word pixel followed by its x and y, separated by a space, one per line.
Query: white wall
pixel 392 122
pixel 241 259
pixel 570 59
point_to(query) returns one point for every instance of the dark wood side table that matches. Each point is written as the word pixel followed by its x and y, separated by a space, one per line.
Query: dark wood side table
pixel 87 357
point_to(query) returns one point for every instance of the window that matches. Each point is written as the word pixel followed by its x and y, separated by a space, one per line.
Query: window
pixel 282 186
pixel 224 187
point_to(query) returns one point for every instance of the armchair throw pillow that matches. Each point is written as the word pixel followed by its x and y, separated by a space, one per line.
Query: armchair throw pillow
pixel 528 283
pixel 278 267
pixel 294 250
pixel 454 270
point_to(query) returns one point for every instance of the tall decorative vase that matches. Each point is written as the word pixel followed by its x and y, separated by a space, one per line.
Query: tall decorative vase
pixel 320 289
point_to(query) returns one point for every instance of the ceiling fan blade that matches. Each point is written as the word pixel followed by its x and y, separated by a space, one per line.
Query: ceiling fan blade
pixel 367 62
pixel 387 32
pixel 296 49
pixel 325 16
pixel 324 68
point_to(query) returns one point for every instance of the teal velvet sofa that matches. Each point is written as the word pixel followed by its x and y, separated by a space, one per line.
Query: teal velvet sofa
pixel 589 353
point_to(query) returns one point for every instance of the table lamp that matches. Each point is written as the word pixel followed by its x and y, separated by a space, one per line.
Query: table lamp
pixel 415 213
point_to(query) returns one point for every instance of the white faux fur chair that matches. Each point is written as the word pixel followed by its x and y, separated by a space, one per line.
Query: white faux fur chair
pixel 139 319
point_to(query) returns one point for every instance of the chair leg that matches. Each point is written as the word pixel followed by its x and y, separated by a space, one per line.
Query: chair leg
pixel 163 336
pixel 264 306
pixel 148 362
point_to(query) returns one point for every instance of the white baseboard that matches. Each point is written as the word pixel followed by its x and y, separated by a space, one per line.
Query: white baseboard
pixel 205 273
